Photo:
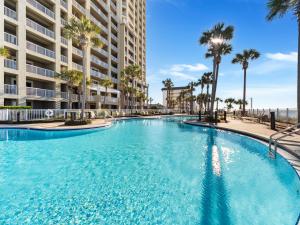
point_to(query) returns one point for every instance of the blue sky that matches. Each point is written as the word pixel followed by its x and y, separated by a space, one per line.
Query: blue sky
pixel 173 30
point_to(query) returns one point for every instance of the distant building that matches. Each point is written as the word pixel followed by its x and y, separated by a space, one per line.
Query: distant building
pixel 175 92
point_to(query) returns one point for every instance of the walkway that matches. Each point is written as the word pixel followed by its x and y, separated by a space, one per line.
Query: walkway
pixel 59 125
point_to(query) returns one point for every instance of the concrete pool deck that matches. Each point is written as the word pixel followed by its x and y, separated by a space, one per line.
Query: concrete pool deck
pixel 290 144
pixel 97 123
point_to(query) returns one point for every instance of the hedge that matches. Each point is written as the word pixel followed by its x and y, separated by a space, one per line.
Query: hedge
pixel 15 107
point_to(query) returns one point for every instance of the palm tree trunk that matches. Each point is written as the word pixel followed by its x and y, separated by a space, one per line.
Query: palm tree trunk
pixel 214 88
pixel 105 96
pixel 84 53
pixel 70 98
pixel 298 77
pixel 206 99
pixel 244 94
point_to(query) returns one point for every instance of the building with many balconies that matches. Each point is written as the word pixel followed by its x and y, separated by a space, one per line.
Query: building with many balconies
pixel 32 31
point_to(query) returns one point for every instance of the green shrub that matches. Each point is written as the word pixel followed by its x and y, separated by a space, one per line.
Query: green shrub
pixel 77 122
pixel 15 107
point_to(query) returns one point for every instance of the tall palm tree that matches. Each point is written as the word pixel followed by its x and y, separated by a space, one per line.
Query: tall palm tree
pixel 131 75
pixel 240 103
pixel 192 86
pixel 106 83
pixel 168 85
pixel 207 80
pixel 278 8
pixel 218 100
pixel 244 59
pixel 4 52
pixel 84 33
pixel 73 79
pixel 217 39
pixel 150 100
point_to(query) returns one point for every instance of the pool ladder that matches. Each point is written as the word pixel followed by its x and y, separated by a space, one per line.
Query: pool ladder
pixel 275 138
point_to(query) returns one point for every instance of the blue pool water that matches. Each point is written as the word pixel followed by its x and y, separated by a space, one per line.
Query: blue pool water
pixel 143 172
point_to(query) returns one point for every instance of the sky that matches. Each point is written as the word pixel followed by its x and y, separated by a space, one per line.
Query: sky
pixel 173 50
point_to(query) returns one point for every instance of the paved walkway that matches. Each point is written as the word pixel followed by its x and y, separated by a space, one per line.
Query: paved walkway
pixel 59 125
pixel 263 132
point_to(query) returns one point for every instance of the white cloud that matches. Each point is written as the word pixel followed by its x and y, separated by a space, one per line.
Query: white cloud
pixel 290 57
pixel 184 71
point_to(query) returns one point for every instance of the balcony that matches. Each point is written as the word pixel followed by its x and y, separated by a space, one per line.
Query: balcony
pixel 114 59
pixel 10 38
pixel 64 4
pixel 64 59
pixel 98 11
pixel 40 71
pixel 98 74
pixel 38 92
pixel 10 89
pixel 11 64
pixel 64 95
pixel 64 41
pixel 77 67
pixel 109 100
pixel 39 49
pixel 10 13
pixel 77 51
pixel 39 28
pixel 63 22
pixel 101 51
pixel 79 7
pixel 114 70
pixel 41 8
pixel 95 21
pixel 97 61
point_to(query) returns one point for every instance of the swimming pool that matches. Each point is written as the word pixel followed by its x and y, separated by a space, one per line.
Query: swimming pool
pixel 157 171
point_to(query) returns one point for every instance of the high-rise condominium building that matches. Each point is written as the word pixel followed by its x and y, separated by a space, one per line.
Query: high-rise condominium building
pixel 32 30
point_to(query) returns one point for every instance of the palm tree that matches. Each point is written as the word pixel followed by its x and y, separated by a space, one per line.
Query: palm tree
pixel 200 99
pixel 218 100
pixel 207 80
pixel 192 86
pixel 243 59
pixel 216 39
pixel 106 83
pixel 4 52
pixel 141 96
pixel 229 102
pixel 83 33
pixel 131 74
pixel 73 79
pixel 278 8
pixel 168 85
pixel 240 102
pixel 150 100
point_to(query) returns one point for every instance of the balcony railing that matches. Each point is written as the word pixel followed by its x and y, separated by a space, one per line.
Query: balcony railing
pixel 98 11
pixel 10 38
pixel 10 13
pixel 114 70
pixel 38 92
pixel 79 7
pixel 77 67
pixel 41 8
pixel 41 29
pixel 64 4
pixel 10 89
pixel 95 21
pixel 9 63
pixel 64 41
pixel 40 71
pixel 64 58
pixel 63 22
pixel 96 60
pixel 41 50
pixel 98 74
pixel 64 95
pixel 77 51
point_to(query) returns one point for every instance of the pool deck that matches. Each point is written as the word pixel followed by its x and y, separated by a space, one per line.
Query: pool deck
pixel 290 145
pixel 98 123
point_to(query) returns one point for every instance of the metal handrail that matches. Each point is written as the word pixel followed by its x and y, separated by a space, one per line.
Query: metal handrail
pixel 275 141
